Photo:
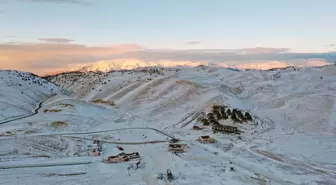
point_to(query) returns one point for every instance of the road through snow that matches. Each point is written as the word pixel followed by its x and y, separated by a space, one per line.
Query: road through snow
pixel 93 132
pixel 35 111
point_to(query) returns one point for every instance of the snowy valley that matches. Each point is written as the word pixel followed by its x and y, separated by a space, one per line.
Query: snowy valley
pixel 48 126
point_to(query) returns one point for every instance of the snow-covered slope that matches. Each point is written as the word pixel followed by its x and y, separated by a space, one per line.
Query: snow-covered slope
pixel 291 139
pixel 21 93
pixel 288 92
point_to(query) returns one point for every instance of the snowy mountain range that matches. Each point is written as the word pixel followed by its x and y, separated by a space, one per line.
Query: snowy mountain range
pixel 120 64
pixel 110 65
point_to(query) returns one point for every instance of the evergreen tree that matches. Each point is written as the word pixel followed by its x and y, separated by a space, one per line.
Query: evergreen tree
pixel 233 116
pixel 248 116
pixel 224 115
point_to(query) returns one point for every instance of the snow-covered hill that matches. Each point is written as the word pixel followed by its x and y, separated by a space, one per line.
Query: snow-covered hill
pixel 291 139
pixel 289 91
pixel 21 93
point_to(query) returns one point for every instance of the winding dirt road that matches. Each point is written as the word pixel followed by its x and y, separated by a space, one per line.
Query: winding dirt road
pixel 35 111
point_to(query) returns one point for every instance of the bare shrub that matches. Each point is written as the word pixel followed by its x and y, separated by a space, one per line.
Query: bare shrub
pixel 111 103
pixel 52 110
pixel 30 132
pixel 59 124
pixel 66 105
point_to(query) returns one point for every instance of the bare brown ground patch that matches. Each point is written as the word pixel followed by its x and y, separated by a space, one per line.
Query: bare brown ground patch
pixel 270 155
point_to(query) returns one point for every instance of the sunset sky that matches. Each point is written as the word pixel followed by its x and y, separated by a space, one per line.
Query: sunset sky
pixel 49 35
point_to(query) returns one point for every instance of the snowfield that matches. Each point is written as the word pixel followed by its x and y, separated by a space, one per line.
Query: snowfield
pixel 291 139
pixel 21 92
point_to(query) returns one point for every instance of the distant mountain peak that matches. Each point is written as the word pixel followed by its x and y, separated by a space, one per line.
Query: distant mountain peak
pixel 128 64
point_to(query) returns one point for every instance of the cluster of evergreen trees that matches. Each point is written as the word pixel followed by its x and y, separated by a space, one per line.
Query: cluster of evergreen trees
pixel 223 112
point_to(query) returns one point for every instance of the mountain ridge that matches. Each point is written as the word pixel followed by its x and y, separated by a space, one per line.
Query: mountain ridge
pixel 131 64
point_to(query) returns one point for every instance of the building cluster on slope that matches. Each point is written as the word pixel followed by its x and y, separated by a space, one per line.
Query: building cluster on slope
pixel 218 112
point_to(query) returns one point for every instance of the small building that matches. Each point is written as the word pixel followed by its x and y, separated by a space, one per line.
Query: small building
pixel 95 152
pixel 197 128
pixel 116 159
pixel 96 140
pixel 122 157
pixel 205 139
pixel 224 128
pixel 177 147
pixel 97 143
pixel 131 156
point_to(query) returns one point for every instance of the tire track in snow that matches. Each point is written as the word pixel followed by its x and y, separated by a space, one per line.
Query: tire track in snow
pixel 305 166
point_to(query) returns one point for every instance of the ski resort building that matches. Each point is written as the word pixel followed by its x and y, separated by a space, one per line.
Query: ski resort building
pixel 224 128
pixel 122 157
pixel 197 128
pixel 95 151
pixel 96 140
pixel 177 147
pixel 205 139
pixel 96 147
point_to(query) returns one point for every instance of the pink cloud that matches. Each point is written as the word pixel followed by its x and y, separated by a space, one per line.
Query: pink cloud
pixel 264 50
pixel 56 40
pixel 317 62
pixel 41 57
pixel 264 65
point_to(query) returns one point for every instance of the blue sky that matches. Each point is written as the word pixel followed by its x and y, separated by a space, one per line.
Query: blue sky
pixel 301 25
pixel 55 35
